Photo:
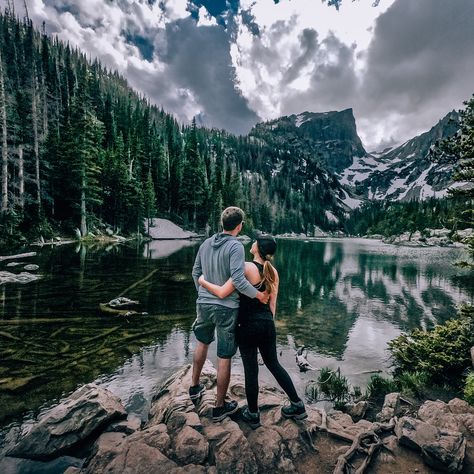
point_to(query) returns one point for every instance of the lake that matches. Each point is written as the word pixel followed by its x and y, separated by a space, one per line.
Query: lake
pixel 343 299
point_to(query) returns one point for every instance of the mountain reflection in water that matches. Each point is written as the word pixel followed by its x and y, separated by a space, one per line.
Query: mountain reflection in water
pixel 343 299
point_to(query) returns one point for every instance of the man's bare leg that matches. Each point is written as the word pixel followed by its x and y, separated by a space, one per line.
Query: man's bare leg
pixel 200 356
pixel 223 379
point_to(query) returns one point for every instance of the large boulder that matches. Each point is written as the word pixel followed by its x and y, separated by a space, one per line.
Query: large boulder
pixel 456 415
pixel 443 450
pixel 86 411
pixel 390 408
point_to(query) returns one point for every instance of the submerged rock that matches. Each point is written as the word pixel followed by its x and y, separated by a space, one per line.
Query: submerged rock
pixel 31 267
pixel 23 277
pixel 67 424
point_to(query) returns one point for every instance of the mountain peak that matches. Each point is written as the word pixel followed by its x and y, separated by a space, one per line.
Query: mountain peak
pixel 330 138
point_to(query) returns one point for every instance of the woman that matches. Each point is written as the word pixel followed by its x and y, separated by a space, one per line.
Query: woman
pixel 256 330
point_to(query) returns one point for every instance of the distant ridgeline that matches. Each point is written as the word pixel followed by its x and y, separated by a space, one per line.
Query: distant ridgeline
pixel 81 149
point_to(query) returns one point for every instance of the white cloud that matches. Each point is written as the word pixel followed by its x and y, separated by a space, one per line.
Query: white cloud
pixel 390 64
pixel 205 18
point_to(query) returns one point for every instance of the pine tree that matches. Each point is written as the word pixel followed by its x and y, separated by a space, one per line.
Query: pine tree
pixel 193 184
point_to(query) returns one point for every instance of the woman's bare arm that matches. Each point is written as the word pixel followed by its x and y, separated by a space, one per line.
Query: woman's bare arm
pixel 220 291
pixel 274 295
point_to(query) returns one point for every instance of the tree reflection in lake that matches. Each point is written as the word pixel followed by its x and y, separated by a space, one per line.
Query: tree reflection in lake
pixel 343 299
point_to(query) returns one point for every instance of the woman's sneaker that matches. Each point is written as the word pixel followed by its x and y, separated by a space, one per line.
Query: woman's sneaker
pixel 253 419
pixel 195 392
pixel 219 413
pixel 297 411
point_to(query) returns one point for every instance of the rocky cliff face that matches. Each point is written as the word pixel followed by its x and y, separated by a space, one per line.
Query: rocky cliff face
pixel 328 138
pixel 405 172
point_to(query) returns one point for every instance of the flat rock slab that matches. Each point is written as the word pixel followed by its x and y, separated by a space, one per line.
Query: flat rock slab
pixel 67 424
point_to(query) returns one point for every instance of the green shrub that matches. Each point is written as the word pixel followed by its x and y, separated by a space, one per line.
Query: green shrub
pixel 379 386
pixel 414 383
pixel 333 385
pixel 443 353
pixel 311 392
pixel 469 389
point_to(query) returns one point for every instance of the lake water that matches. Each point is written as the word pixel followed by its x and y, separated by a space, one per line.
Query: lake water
pixel 343 299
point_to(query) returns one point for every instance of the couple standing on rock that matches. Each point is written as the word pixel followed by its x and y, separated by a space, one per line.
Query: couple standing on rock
pixel 237 299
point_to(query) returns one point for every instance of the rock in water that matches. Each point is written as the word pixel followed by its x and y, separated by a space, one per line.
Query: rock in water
pixel 31 267
pixel 67 424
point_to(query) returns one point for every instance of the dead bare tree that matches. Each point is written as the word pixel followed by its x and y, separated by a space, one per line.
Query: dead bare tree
pixel 3 120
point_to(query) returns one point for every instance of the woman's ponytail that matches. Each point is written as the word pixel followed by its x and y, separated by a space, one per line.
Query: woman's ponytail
pixel 269 276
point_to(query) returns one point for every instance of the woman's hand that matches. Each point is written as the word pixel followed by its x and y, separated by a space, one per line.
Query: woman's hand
pixel 201 280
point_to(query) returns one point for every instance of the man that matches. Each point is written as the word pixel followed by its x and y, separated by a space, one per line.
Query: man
pixel 219 258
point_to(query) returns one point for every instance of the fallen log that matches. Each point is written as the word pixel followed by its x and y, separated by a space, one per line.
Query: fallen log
pixel 139 282
pixel 20 255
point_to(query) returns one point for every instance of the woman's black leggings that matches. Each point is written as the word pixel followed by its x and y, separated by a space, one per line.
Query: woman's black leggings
pixel 261 335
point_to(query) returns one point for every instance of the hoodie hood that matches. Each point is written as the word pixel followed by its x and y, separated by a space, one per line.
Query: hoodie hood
pixel 220 239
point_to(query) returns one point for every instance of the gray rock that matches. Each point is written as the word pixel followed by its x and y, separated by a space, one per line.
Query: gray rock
pixel 357 410
pixel 439 232
pixel 269 450
pixel 442 450
pixel 63 464
pixel 457 415
pixel 67 424
pixel 138 458
pixel 128 426
pixel 190 446
pixel 155 436
pixel 230 449
pixel 105 449
pixel 390 408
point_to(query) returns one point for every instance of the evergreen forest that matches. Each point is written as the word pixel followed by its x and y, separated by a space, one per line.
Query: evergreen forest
pixel 81 151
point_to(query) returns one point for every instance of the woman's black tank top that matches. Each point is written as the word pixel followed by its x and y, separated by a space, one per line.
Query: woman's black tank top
pixel 251 308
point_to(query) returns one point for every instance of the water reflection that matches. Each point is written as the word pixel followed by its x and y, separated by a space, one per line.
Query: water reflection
pixel 343 299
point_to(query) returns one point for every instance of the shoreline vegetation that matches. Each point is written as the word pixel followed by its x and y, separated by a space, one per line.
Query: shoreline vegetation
pixel 164 229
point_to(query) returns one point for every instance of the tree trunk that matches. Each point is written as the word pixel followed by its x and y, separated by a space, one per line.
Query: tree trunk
pixel 83 205
pixel 45 109
pixel 21 177
pixel 34 116
pixel 3 118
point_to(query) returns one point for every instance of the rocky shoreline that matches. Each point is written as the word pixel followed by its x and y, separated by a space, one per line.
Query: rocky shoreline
pixel 89 433
pixel 427 238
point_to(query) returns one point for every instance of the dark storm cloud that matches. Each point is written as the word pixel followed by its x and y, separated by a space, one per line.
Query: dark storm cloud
pixel 198 59
pixel 420 62
pixel 308 46
pixel 333 83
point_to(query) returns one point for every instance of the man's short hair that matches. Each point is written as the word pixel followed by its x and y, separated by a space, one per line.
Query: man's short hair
pixel 231 218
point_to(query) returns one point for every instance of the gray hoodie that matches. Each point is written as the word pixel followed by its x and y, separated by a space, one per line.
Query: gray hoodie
pixel 219 258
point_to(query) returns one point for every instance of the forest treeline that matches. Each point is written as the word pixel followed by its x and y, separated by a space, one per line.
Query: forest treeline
pixel 81 149
pixel 394 217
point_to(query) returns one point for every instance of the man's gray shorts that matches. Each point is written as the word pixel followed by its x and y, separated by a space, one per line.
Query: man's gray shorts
pixel 212 317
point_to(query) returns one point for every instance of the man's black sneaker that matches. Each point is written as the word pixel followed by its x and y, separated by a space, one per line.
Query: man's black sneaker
pixel 253 419
pixel 297 411
pixel 219 413
pixel 195 392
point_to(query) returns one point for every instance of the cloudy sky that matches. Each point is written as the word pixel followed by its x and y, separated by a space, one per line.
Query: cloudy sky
pixel 401 65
